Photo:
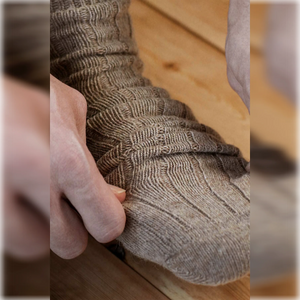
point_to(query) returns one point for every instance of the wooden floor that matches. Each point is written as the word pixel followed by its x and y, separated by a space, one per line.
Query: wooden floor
pixel 189 62
pixel 99 274
pixel 182 45
pixel 273 122
pixel 273 116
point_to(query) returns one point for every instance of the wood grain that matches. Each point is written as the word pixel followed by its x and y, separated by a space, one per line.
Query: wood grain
pixel 273 121
pixel 283 287
pixel 177 289
pixel 180 43
pixel 274 117
pixel 258 13
pixel 23 278
pixel 206 19
pixel 193 72
pixel 98 274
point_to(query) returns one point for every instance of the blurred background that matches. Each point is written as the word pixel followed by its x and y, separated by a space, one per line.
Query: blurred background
pixel 273 41
pixel 274 157
pixel 26 174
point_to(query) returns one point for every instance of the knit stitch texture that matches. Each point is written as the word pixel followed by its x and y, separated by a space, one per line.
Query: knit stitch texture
pixel 188 193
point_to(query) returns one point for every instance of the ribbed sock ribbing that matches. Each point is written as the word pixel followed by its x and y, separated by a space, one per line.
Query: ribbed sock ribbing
pixel 188 192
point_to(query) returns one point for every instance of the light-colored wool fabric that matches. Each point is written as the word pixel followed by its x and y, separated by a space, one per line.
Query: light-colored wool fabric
pixel 187 201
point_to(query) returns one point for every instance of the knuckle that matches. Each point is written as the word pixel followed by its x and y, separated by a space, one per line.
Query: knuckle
pixel 72 158
pixel 81 103
pixel 72 162
pixel 31 160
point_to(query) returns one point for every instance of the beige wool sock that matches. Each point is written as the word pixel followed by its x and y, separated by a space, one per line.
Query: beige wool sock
pixel 188 192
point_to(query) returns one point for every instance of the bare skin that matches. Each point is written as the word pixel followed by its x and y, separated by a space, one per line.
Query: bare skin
pixel 81 202
pixel 26 170
pixel 74 176
pixel 73 171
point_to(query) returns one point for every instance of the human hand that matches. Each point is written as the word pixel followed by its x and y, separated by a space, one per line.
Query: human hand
pixel 76 180
pixel 26 201
pixel 237 48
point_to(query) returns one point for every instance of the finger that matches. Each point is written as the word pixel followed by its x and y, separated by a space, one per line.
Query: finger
pixel 101 211
pixel 35 180
pixel 27 168
pixel 118 192
pixel 68 238
pixel 26 231
pixel 27 105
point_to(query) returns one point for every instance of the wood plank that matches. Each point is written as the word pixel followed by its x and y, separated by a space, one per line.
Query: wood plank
pixel 23 278
pixel 258 13
pixel 98 274
pixel 193 72
pixel 273 122
pixel 177 289
pixel 283 287
pixel 274 117
pixel 207 19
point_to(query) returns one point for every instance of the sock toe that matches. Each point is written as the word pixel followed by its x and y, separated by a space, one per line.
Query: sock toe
pixel 190 217
pixel 216 260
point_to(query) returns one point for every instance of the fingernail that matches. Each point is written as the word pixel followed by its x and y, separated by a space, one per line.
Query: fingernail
pixel 116 189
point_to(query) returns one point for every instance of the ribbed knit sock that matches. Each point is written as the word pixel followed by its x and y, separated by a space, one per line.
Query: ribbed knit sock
pixel 187 201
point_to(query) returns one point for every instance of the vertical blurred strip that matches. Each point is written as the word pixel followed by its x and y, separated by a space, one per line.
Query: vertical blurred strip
pixel 25 40
pixel 273 38
pixel 24 59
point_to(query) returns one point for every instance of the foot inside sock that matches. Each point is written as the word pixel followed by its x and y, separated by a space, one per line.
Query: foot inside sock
pixel 187 200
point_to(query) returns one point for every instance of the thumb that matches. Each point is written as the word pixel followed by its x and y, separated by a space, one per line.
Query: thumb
pixel 96 202
pixel 118 192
